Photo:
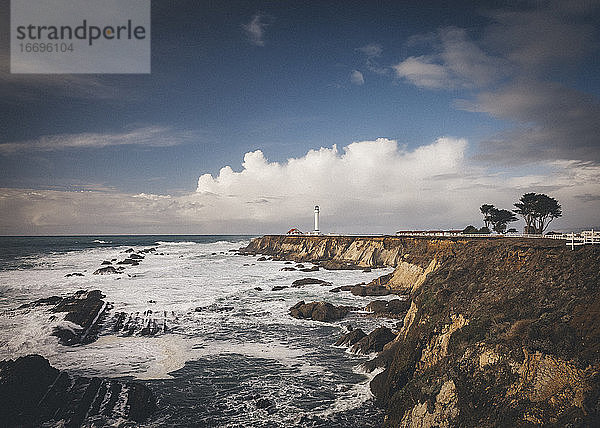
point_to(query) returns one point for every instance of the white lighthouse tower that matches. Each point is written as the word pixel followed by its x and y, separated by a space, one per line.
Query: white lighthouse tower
pixel 316 231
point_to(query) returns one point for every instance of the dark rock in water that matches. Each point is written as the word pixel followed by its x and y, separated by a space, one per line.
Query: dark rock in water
pixel 87 310
pixel 299 266
pixel 367 270
pixel 147 323
pixel 264 403
pixel 151 301
pixel 279 287
pixel 309 281
pixel 339 265
pixel 261 259
pixel 370 290
pixel 319 311
pixel 52 300
pixel 128 262
pixel 342 288
pixel 310 269
pixel 129 250
pixel 140 402
pixel 258 288
pixel 136 257
pixel 106 262
pixel 147 250
pixel 288 269
pixel 32 392
pixel 288 263
pixel 374 342
pixel 351 338
pixel 105 271
pixel 73 274
pixel 392 308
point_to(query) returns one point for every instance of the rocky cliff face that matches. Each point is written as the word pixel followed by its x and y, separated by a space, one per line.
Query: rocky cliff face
pixel 500 332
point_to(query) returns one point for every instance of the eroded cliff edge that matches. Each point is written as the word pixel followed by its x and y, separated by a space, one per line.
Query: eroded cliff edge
pixel 501 332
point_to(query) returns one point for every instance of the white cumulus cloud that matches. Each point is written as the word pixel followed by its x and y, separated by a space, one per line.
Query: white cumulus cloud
pixel 377 186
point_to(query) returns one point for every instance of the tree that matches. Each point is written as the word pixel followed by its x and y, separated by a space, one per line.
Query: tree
pixel 470 230
pixel 538 210
pixel 500 218
pixel 486 210
pixel 547 209
pixel 526 208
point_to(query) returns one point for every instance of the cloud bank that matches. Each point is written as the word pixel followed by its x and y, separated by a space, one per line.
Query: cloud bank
pixel 374 186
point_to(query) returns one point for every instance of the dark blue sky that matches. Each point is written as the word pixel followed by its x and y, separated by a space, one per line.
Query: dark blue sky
pixel 285 77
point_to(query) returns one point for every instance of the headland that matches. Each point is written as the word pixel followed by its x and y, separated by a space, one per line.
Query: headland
pixel 499 332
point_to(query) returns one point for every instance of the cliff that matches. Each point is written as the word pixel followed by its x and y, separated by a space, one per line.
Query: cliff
pixel 502 332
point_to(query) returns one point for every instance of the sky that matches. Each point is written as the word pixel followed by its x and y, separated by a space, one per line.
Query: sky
pixel 389 115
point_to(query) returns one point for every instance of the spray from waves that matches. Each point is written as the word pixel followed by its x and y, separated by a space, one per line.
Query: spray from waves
pixel 227 341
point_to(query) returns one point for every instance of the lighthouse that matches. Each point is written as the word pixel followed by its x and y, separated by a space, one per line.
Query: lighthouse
pixel 316 231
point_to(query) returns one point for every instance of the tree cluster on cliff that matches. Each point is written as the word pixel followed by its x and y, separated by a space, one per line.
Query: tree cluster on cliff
pixel 537 209
pixel 497 218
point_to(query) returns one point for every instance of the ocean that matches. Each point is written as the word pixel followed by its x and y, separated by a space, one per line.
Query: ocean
pixel 229 347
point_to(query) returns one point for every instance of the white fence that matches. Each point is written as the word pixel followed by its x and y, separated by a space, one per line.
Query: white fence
pixel 573 239
pixel 585 237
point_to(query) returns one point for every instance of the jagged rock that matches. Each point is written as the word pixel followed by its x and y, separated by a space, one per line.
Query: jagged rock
pixel 261 259
pixel 391 308
pixel 106 262
pixel 136 257
pixel 84 308
pixel 351 338
pixel 147 323
pixel 370 290
pixel 129 250
pixel 258 288
pixel 309 281
pixel 319 311
pixel 147 250
pixel 310 269
pixel 339 265
pixel 374 341
pixel 264 403
pixel 287 269
pixel 52 300
pixel 279 287
pixel 299 266
pixel 128 261
pixel 288 263
pixel 32 392
pixel 73 274
pixel 367 270
pixel 106 271
pixel 342 288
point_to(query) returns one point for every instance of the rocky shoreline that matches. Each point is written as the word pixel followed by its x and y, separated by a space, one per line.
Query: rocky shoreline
pixel 32 392
pixel 498 332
